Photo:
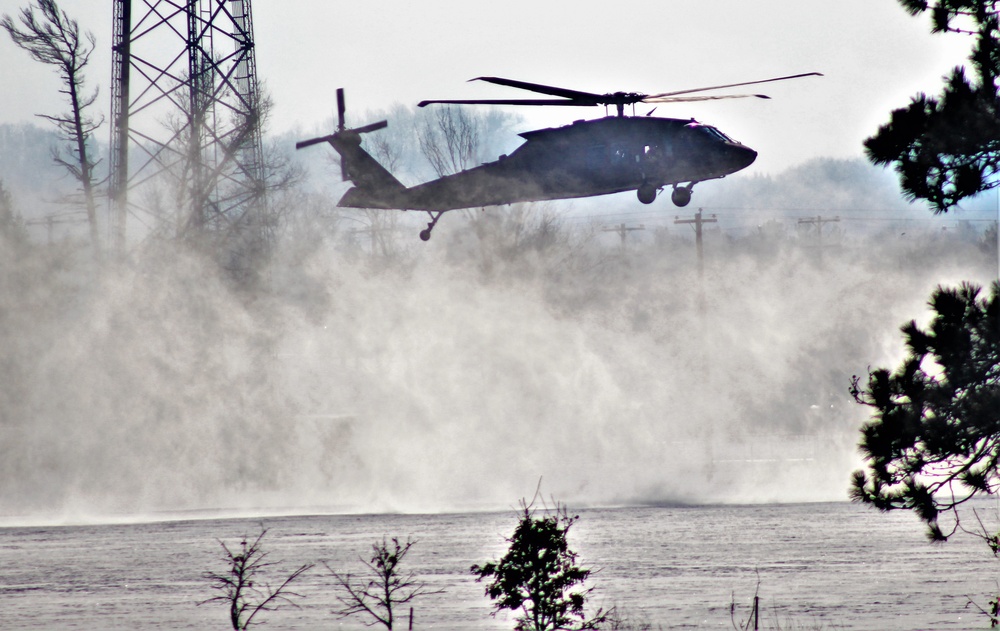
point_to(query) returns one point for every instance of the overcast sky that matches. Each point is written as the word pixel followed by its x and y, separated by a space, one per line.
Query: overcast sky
pixel 874 55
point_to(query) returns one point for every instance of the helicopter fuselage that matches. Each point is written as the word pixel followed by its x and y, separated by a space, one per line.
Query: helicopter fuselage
pixel 583 159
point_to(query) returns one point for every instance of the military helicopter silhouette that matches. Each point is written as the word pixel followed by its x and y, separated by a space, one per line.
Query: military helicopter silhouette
pixel 608 155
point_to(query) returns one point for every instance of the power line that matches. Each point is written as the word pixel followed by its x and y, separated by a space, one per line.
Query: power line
pixel 623 231
pixel 819 221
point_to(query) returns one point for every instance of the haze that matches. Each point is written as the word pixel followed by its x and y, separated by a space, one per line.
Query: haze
pixel 874 56
pixel 452 375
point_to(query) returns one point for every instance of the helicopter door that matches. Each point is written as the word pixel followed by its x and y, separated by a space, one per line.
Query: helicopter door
pixel 626 163
pixel 624 158
pixel 657 153
pixel 595 156
pixel 620 155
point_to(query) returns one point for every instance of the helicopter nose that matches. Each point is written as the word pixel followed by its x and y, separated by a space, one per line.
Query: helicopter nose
pixel 741 156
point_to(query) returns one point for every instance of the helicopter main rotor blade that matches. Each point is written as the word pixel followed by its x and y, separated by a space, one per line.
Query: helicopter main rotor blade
pixel 709 97
pixel 541 89
pixel 509 102
pixel 730 85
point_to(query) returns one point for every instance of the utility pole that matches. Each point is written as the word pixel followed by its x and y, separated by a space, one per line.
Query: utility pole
pixel 623 231
pixel 50 221
pixel 698 221
pixel 819 222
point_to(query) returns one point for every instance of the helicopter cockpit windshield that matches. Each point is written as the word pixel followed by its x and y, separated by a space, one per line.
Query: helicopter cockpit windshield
pixel 710 132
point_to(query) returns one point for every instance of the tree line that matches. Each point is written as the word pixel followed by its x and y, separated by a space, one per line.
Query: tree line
pixel 539 580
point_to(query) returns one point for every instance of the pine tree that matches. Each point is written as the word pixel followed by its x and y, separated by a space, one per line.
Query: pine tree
pixel 947 148
pixel 934 440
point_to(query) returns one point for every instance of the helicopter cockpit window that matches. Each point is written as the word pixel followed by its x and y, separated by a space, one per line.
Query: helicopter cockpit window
pixel 720 134
pixel 713 133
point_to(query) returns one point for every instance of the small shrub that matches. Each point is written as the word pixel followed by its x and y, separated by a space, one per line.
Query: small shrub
pixel 240 585
pixel 539 576
pixel 380 593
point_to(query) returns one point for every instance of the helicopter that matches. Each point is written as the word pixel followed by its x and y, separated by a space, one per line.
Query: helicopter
pixel 586 158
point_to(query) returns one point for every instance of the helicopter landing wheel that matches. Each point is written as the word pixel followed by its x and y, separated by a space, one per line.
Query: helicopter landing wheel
pixel 681 196
pixel 425 234
pixel 646 193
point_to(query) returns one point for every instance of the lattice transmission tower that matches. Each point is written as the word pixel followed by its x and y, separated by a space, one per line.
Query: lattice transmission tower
pixel 186 148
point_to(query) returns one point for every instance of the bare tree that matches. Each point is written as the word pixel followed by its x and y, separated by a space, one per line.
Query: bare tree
pixel 450 141
pixel 381 223
pixel 12 228
pixel 454 140
pixel 240 584
pixel 384 590
pixel 229 210
pixel 54 39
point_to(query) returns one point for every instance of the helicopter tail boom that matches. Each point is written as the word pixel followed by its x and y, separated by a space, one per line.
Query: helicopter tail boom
pixel 360 168
pixel 374 186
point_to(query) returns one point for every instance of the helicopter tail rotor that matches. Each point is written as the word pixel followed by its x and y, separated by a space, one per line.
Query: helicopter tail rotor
pixel 343 134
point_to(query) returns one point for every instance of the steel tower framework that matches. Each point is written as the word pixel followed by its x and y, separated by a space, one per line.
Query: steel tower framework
pixel 185 114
